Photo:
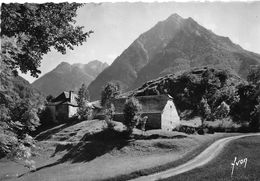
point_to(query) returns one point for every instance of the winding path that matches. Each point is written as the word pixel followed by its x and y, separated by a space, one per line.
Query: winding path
pixel 203 158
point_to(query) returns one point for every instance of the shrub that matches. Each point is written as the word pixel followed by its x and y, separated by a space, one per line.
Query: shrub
pixel 210 130
pixel 109 113
pixel 142 123
pixel 109 92
pixel 186 129
pixel 132 113
pixel 83 110
pixel 23 151
pixel 201 131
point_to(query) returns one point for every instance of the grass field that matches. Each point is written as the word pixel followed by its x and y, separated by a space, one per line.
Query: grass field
pixel 220 168
pixel 83 151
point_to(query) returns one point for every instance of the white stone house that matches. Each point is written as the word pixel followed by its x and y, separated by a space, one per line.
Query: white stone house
pixel 160 109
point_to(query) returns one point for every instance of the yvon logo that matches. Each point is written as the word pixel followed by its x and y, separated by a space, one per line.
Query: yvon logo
pixel 237 163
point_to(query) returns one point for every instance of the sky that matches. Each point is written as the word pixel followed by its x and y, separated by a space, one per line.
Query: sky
pixel 117 25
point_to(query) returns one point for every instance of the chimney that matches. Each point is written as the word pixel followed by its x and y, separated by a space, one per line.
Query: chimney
pixel 70 92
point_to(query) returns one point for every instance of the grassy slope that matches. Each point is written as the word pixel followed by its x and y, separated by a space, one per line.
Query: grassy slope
pixel 220 167
pixel 97 158
pixel 201 143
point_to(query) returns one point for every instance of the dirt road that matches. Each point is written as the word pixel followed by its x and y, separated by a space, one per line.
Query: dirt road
pixel 207 155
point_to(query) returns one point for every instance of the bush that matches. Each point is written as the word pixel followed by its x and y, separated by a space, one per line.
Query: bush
pixel 23 151
pixel 210 130
pixel 132 113
pixel 109 113
pixel 109 92
pixel 187 129
pixel 201 131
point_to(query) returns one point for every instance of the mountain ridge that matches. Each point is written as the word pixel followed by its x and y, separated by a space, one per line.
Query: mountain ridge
pixel 173 45
pixel 65 77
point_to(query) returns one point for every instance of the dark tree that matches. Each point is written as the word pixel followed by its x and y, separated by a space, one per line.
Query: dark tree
pixel 25 113
pixel 28 31
pixel 49 98
pixel 110 91
pixel 132 111
pixel 254 75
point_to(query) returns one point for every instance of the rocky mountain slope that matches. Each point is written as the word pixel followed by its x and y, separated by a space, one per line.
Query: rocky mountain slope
pixel 171 46
pixel 68 77
pixel 189 88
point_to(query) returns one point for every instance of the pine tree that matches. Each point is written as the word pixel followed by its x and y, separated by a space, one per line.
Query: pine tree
pixel 83 96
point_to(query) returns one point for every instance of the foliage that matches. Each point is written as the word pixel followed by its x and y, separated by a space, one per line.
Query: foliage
pixel 227 93
pixel 254 75
pixel 187 129
pixel 222 111
pixel 143 122
pixel 20 104
pixel 203 91
pixel 83 110
pixel 20 117
pixel 109 92
pixel 46 120
pixel 255 117
pixel 109 113
pixel 49 98
pixel 132 111
pixel 11 47
pixel 7 140
pixel 199 90
pixel 22 151
pixel 30 30
pixel 204 108
pixel 241 110
pixel 25 113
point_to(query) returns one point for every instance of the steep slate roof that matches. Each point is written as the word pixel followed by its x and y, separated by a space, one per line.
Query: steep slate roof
pixel 64 98
pixel 150 104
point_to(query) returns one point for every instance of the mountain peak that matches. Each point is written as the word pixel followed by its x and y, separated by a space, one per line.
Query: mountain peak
pixel 175 18
pixel 63 66
pixel 68 77
pixel 171 46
